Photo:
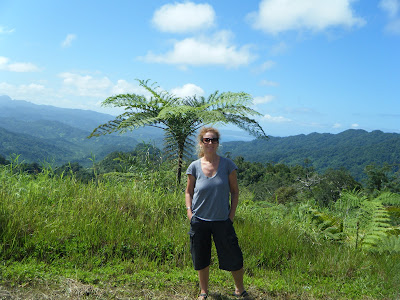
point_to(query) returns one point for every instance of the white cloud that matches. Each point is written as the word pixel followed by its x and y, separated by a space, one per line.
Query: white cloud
pixel 215 50
pixel 393 27
pixel 16 67
pixel 22 67
pixel 5 30
pixel 355 125
pixel 188 90
pixel 267 65
pixel 280 48
pixel 263 99
pixel 392 9
pixel 87 86
pixel 124 87
pixel 68 40
pixel 184 17
pixel 100 87
pixel 31 91
pixel 3 62
pixel 271 119
pixel 275 16
pixel 268 83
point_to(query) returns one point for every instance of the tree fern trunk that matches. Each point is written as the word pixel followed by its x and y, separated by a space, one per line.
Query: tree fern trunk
pixel 180 161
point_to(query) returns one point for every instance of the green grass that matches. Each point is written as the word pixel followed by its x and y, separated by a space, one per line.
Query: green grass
pixel 128 239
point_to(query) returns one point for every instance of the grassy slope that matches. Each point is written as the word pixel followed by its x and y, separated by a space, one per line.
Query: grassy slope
pixel 128 239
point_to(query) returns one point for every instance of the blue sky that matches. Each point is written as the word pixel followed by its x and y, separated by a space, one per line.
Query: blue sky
pixel 310 65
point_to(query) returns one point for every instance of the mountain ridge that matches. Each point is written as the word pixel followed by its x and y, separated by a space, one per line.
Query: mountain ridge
pixel 65 131
pixel 352 149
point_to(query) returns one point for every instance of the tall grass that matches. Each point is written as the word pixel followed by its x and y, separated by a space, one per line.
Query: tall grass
pixel 50 218
pixel 135 226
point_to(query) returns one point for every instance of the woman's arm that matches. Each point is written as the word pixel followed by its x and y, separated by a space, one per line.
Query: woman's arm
pixel 234 188
pixel 189 195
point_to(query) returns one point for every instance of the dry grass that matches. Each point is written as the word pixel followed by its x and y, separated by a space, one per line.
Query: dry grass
pixel 72 289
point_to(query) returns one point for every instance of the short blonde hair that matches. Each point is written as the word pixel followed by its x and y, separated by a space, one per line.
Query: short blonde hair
pixel 202 132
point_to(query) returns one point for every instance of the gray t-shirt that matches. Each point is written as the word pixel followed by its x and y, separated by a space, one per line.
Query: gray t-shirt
pixel 211 194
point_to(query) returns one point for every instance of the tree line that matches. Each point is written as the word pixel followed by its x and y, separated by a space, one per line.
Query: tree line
pixel 279 183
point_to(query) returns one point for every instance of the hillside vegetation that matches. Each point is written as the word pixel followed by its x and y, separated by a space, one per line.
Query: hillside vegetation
pixel 123 234
pixel 41 133
pixel 352 150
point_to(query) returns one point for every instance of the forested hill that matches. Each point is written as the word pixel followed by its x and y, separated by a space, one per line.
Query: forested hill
pixel 42 132
pixel 351 149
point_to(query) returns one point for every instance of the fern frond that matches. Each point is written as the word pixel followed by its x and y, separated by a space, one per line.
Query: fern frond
pixel 390 244
pixel 375 223
pixel 162 96
pixel 388 198
pixel 349 201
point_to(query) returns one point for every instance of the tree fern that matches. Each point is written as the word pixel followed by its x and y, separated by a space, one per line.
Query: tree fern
pixel 179 118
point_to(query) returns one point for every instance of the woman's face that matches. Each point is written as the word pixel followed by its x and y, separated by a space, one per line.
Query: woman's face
pixel 210 142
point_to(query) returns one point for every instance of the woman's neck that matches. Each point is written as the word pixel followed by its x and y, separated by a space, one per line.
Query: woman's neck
pixel 210 157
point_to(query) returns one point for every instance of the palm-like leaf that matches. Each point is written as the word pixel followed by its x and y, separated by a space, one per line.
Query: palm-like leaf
pixel 179 118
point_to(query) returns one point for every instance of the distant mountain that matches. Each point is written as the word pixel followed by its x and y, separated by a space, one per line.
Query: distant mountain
pixel 30 149
pixel 27 111
pixel 351 149
pixel 54 142
pixel 43 132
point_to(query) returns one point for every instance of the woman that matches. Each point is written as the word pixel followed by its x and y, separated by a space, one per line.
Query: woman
pixel 211 182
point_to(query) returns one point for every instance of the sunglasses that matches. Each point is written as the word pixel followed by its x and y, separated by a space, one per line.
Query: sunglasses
pixel 213 140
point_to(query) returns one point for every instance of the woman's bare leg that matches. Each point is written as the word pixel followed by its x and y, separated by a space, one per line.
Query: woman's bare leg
pixel 203 277
pixel 238 278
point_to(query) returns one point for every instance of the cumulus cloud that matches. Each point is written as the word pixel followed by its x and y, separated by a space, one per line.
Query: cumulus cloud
pixel 275 16
pixel 279 119
pixel 392 9
pixel 31 91
pixel 17 66
pixel 97 87
pixel 184 17
pixel 355 126
pixel 263 99
pixel 188 90
pixel 215 50
pixel 124 87
pixel 86 85
pixel 68 40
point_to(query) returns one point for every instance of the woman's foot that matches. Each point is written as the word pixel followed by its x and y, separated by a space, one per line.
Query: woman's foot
pixel 202 296
pixel 243 294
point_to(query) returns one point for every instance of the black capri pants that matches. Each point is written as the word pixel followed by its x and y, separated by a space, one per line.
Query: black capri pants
pixel 230 255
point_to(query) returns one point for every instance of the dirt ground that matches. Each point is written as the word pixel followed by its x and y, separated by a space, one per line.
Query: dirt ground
pixel 71 289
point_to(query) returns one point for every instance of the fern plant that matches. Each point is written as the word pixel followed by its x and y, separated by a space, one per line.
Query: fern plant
pixel 180 118
pixel 390 244
pixel 374 222
pixel 366 222
pixel 322 223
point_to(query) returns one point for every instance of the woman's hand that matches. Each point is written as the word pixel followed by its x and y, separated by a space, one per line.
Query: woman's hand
pixel 189 195
pixel 189 214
